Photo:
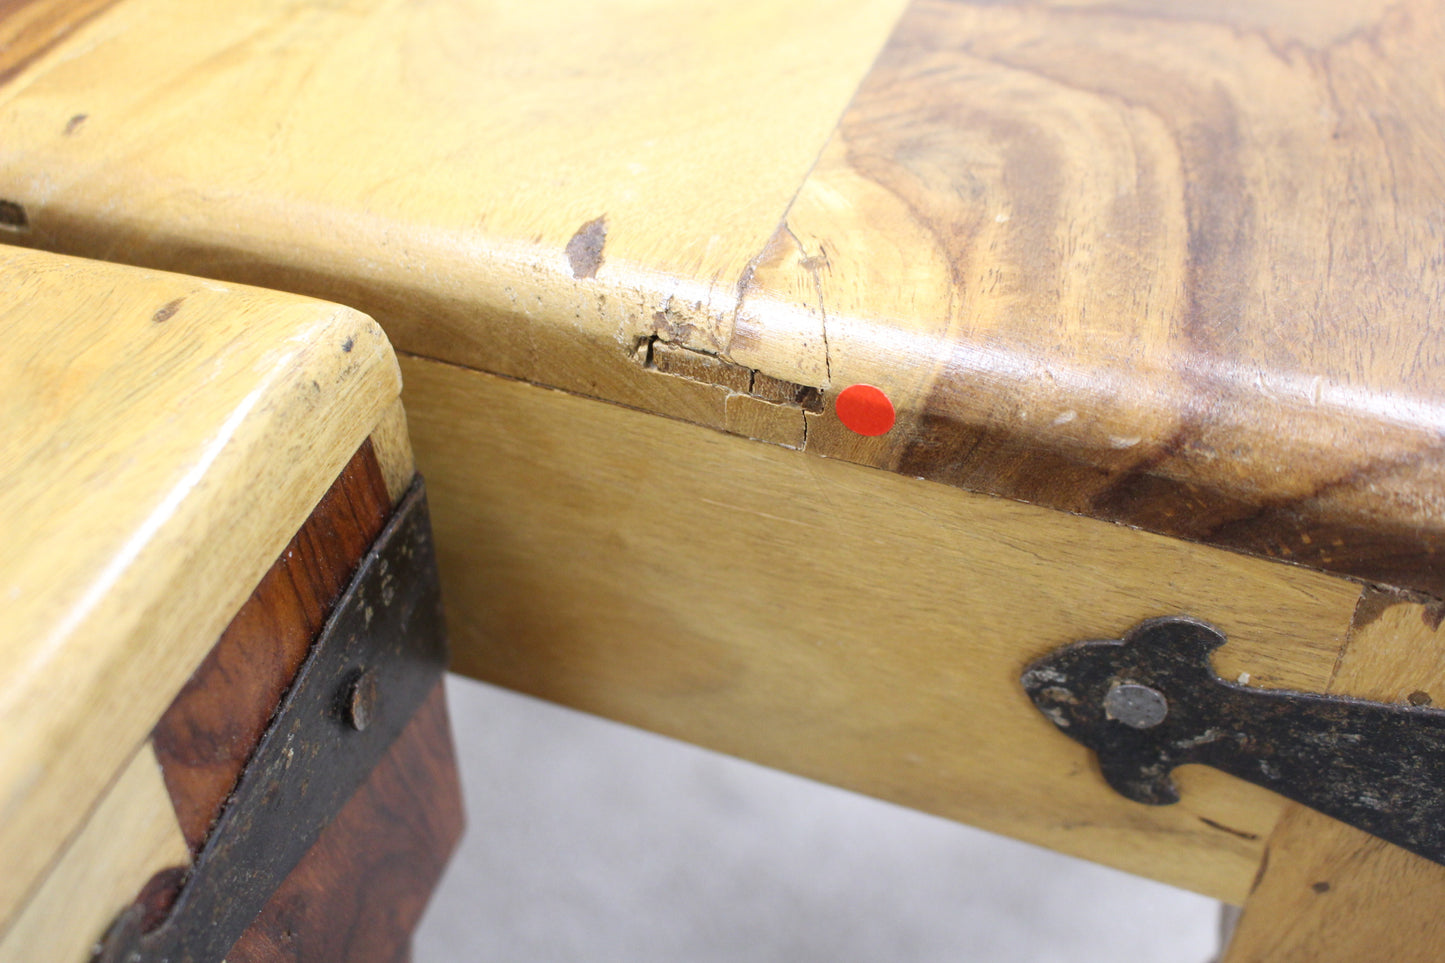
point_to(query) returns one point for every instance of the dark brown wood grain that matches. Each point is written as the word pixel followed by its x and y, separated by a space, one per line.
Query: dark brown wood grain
pixel 1173 265
pixel 360 891
pixel 1167 263
pixel 208 733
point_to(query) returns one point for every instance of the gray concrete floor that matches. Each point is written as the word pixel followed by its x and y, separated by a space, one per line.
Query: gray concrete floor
pixel 590 841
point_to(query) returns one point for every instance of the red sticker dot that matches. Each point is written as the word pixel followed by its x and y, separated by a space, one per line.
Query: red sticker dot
pixel 865 409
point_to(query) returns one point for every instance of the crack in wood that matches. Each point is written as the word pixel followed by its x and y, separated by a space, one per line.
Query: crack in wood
pixel 700 366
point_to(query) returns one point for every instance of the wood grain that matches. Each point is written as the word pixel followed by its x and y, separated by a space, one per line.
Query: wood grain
pixel 360 891
pixel 28 28
pixel 131 835
pixel 532 188
pixel 842 623
pixel 1167 264
pixel 165 437
pixel 391 444
pixel 208 733
pixel 1329 893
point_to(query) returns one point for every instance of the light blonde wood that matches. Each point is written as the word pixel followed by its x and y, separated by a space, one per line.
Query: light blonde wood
pixel 163 439
pixel 835 621
pixel 131 835
pixel 754 418
pixel 1166 264
pixel 1329 893
pixel 532 188
pixel 392 446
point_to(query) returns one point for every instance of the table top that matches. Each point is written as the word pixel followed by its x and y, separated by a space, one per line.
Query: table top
pixel 1170 264
pixel 163 438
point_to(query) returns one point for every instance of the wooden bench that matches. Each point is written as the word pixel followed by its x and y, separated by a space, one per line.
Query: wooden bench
pixel 1153 291
pixel 190 475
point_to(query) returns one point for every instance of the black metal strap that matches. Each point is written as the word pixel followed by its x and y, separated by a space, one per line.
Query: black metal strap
pixel 1151 701
pixel 379 655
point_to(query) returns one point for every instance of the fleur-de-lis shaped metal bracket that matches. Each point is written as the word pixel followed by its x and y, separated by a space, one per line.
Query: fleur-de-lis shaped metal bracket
pixel 1151 701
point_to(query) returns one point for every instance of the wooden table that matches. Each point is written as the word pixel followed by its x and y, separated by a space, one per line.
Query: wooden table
pixel 1154 290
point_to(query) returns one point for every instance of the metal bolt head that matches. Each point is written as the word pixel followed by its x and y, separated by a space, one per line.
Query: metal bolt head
pixel 1136 705
pixel 361 701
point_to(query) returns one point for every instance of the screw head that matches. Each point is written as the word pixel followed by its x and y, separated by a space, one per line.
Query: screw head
pixel 1136 705
pixel 361 701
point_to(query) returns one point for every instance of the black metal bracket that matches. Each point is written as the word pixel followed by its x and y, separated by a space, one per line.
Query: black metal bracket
pixel 1151 701
pixel 380 653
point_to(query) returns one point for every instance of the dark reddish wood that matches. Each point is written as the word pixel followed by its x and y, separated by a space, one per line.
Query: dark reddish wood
pixel 159 895
pixel 208 733
pixel 360 891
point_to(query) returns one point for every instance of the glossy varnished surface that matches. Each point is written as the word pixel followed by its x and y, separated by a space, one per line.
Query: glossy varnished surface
pixel 164 437
pixel 1169 264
